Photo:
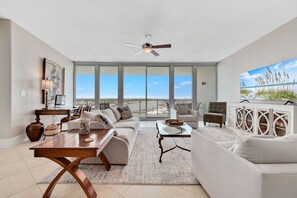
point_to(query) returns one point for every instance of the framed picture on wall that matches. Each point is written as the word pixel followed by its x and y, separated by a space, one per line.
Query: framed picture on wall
pixel 56 73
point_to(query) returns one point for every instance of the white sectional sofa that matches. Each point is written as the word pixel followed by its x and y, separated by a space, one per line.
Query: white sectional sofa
pixel 224 174
pixel 119 148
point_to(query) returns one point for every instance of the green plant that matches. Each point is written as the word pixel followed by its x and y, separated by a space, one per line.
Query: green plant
pixel 276 94
pixel 244 92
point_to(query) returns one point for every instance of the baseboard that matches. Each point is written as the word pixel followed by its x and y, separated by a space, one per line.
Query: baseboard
pixel 6 143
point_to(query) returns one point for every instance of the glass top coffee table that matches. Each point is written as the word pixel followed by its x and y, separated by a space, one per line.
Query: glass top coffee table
pixel 172 131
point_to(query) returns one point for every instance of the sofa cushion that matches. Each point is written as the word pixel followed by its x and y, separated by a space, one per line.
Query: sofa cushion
pixel 227 144
pixel 267 150
pixel 125 134
pixel 133 125
pixel 125 112
pixel 116 113
pixel 182 110
pixel 110 115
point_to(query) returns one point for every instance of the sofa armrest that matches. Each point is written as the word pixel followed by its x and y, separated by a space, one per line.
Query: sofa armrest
pixel 222 173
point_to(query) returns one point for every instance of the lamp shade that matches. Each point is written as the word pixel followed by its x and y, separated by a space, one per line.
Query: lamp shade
pixel 46 84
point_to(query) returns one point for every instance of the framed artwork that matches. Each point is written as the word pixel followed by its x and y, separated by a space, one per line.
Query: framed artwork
pixel 272 82
pixel 56 73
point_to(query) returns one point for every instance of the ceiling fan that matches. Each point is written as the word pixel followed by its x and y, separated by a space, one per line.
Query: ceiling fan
pixel 148 47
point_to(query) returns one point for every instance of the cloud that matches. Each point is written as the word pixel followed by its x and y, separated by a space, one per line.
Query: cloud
pixel 185 83
pixel 276 66
pixel 80 88
pixel 156 83
pixel 291 65
pixel 128 85
pixel 246 75
pixel 177 87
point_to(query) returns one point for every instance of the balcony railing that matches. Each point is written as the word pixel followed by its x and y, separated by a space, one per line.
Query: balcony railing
pixel 156 107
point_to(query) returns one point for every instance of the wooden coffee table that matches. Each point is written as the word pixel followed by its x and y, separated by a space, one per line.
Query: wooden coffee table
pixel 73 145
pixel 172 131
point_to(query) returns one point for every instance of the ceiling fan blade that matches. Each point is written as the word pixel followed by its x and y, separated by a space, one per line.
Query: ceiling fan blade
pixel 155 53
pixel 138 52
pixel 132 45
pixel 162 46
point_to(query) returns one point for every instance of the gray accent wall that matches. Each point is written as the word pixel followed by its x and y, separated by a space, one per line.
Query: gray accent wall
pixel 279 45
pixel 21 60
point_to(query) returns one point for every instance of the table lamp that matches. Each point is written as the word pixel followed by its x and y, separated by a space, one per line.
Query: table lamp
pixel 46 84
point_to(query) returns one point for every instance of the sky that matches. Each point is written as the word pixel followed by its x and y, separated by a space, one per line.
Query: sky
pixel 289 66
pixel 134 86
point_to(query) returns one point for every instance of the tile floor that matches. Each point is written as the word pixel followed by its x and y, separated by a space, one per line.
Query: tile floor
pixel 20 172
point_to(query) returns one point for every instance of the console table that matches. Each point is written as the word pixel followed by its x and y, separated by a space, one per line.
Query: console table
pixel 262 119
pixel 54 111
pixel 73 145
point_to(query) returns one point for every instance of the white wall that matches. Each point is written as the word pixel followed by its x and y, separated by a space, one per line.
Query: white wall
pixel 27 53
pixel 5 83
pixel 278 45
pixel 206 93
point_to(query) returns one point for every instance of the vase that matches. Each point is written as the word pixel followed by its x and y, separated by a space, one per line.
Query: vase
pixel 85 126
pixel 34 131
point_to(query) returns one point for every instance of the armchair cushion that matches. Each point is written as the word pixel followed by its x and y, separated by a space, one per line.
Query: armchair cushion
pixel 215 116
pixel 188 118
pixel 217 107
pixel 182 110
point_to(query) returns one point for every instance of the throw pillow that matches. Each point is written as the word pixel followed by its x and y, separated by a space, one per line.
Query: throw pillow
pixel 86 114
pixel 116 113
pixel 182 110
pixel 110 115
pixel 267 150
pixel 105 121
pixel 125 112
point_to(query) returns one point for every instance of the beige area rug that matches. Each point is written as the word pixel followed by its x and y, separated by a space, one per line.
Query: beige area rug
pixel 144 166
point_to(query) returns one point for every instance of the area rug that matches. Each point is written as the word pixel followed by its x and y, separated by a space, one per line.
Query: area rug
pixel 144 166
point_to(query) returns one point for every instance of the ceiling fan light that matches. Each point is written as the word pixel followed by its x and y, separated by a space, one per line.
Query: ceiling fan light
pixel 147 49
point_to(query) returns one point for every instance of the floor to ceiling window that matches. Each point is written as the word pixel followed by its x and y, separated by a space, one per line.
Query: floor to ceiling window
pixel 85 85
pixel 148 90
pixel 135 89
pixel 183 85
pixel 157 91
pixel 109 85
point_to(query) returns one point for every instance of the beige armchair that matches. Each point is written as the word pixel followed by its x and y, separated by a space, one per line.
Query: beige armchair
pixel 188 115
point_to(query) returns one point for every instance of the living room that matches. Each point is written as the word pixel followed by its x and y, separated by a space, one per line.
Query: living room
pixel 212 44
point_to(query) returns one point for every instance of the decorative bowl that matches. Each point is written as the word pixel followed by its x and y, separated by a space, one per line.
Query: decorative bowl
pixel 174 122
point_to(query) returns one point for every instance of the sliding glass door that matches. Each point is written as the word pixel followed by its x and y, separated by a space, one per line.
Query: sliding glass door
pixel 146 89
pixel 135 89
pixel 85 85
pixel 183 85
pixel 109 85
pixel 157 91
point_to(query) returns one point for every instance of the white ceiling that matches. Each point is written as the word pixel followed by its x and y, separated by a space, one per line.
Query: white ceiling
pixel 199 30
